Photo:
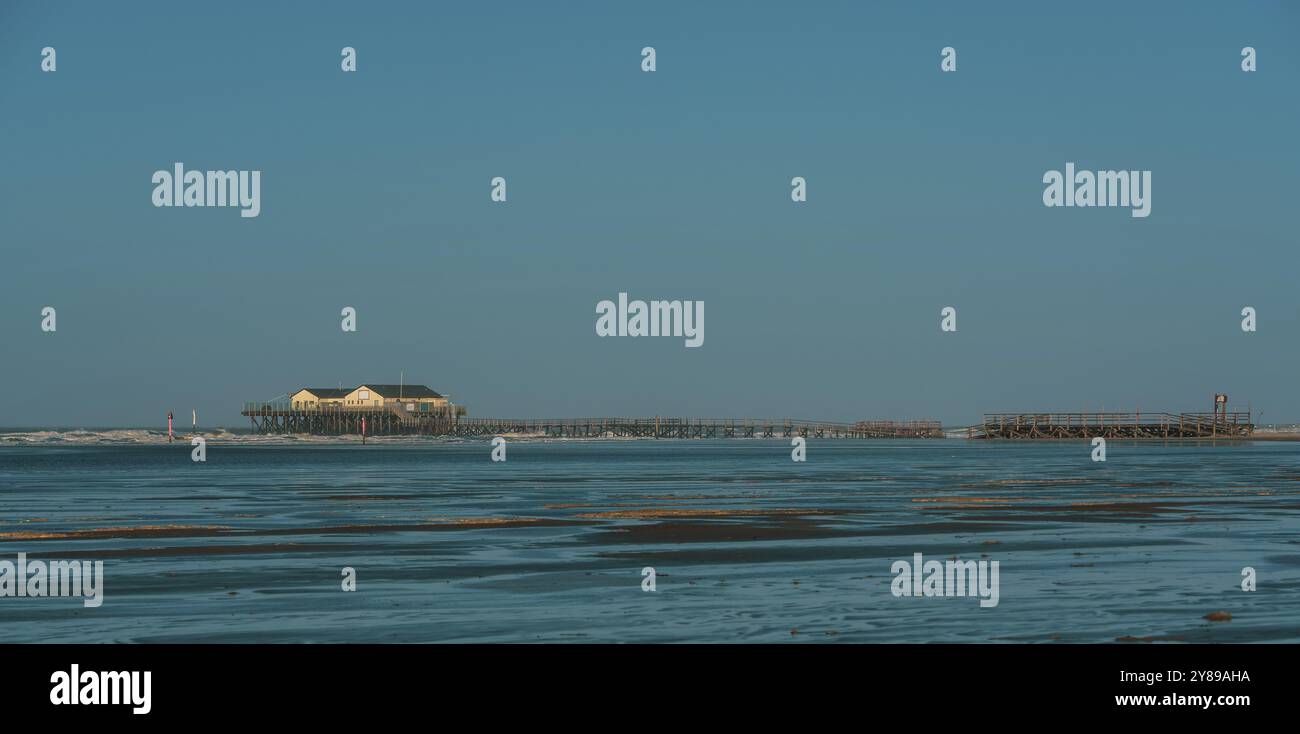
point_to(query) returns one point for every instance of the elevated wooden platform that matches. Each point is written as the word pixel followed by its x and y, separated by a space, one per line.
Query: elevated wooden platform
pixel 386 420
pixel 389 420
pixel 1042 426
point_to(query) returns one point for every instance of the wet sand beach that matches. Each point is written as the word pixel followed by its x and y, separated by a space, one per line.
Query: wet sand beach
pixel 747 545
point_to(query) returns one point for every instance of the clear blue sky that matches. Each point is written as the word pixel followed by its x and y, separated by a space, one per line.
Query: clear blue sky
pixel 925 190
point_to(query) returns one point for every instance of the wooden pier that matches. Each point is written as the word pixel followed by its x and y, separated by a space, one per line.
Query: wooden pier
pixel 331 420
pixel 662 427
pixel 392 420
pixel 1045 426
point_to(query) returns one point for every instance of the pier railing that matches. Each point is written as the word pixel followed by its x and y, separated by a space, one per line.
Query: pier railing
pixel 1114 425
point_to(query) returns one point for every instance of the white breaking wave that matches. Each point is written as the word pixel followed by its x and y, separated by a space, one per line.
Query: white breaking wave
pixel 149 436
pixel 81 435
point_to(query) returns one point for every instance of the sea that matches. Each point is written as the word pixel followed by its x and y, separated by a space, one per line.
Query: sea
pixel 637 541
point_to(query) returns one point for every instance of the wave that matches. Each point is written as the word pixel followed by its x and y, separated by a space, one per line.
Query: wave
pixel 147 436
pixel 82 435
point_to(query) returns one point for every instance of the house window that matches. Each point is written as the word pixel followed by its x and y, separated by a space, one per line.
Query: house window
pixel 364 395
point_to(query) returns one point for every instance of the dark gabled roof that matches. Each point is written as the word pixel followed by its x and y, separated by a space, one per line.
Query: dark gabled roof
pixel 328 392
pixel 405 391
